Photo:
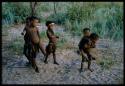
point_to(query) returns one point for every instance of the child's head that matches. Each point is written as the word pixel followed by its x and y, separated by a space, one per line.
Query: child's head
pixel 94 37
pixel 86 32
pixel 50 24
pixel 28 21
pixel 34 21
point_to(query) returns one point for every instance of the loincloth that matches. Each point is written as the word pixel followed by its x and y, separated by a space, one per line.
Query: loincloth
pixel 51 47
pixel 35 47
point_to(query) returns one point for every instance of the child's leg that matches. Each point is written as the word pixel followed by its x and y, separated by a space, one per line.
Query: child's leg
pixel 33 61
pixel 34 64
pixel 93 53
pixel 45 61
pixel 54 54
pixel 25 52
pixel 32 56
pixel 82 63
pixel 89 62
pixel 54 57
pixel 48 48
pixel 42 48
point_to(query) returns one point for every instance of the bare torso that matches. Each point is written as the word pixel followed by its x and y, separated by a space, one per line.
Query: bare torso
pixel 33 32
pixel 51 36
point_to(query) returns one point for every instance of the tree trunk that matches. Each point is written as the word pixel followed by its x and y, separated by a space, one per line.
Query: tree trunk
pixel 55 8
pixel 33 8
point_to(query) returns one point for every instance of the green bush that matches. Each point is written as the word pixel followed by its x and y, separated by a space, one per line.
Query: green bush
pixel 59 18
pixel 108 22
pixel 14 12
pixel 44 7
pixel 103 18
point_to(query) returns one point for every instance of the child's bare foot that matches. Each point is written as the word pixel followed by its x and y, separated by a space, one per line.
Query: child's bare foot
pixel 56 63
pixel 37 70
pixel 46 62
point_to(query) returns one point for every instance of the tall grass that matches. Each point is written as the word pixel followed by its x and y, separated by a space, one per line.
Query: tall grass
pixel 104 18
pixel 14 12
pixel 59 18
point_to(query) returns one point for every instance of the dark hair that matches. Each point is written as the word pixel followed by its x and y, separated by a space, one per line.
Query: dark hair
pixel 33 17
pixel 85 29
pixel 94 36
pixel 49 22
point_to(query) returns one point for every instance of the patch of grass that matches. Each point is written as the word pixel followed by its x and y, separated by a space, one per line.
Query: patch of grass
pixel 61 43
pixel 106 63
pixel 68 45
pixel 16 46
pixel 43 35
pixel 15 12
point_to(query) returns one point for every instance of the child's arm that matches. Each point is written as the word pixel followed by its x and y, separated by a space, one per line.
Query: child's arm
pixel 38 33
pixel 50 34
pixel 84 54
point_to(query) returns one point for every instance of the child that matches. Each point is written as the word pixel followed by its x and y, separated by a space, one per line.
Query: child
pixel 26 38
pixel 34 34
pixel 51 47
pixel 94 38
pixel 85 44
pixel 35 42
pixel 86 34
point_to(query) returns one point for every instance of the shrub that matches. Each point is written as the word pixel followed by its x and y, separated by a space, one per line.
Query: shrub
pixel 14 12
pixel 59 18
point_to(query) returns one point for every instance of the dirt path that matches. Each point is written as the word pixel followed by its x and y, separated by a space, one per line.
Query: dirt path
pixel 14 70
